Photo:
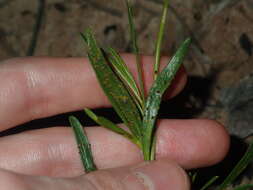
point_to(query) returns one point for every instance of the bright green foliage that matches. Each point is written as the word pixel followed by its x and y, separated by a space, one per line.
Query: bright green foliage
pixel 83 145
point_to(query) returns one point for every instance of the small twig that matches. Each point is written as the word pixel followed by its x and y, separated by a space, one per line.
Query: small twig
pixel 37 27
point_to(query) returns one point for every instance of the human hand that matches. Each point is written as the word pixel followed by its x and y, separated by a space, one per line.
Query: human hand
pixel 33 88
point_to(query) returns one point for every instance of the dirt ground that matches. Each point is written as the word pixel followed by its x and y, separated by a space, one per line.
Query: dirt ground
pixel 220 63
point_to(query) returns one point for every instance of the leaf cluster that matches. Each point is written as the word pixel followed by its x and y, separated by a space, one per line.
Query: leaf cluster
pixel 137 110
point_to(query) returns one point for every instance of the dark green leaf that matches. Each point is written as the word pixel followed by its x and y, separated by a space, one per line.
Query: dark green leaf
pixel 240 166
pixel 114 89
pixel 210 182
pixel 111 126
pixel 244 187
pixel 126 77
pixel 162 82
pixel 83 145
pixel 193 176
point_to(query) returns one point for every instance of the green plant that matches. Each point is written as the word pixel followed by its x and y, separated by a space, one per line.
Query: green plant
pixel 137 110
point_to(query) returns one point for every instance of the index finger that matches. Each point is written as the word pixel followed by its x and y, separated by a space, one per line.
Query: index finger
pixel 33 88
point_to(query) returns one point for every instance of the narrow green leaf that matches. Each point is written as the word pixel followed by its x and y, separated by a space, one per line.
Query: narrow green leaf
pixel 83 145
pixel 111 126
pixel 127 78
pixel 133 37
pixel 114 89
pixel 244 187
pixel 193 176
pixel 162 82
pixel 210 182
pixel 238 169
pixel 160 38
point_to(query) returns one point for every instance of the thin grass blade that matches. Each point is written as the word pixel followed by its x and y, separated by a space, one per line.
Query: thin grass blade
pixel 238 169
pixel 114 89
pixel 133 37
pixel 209 183
pixel 244 187
pixel 153 148
pixel 162 82
pixel 111 126
pixel 126 77
pixel 160 38
pixel 83 145
pixel 193 176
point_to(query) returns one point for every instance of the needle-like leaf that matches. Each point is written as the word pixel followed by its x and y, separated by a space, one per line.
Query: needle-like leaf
pixel 244 187
pixel 160 38
pixel 126 77
pixel 155 96
pixel 114 89
pixel 193 176
pixel 83 145
pixel 111 126
pixel 240 166
pixel 133 36
pixel 210 182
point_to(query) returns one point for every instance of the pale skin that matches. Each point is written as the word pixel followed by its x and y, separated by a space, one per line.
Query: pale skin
pixel 33 88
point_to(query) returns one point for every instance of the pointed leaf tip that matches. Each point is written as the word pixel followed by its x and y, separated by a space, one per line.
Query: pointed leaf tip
pixel 83 145
pixel 90 114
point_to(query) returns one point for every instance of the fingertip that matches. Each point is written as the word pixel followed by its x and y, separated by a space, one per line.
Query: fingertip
pixel 192 143
pixel 220 140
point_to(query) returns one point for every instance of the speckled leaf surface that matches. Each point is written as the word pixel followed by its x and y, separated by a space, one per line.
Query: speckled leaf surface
pixel 126 76
pixel 114 89
pixel 83 145
pixel 154 99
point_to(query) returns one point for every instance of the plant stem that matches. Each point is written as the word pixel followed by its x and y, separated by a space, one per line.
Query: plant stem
pixel 136 50
pixel 160 38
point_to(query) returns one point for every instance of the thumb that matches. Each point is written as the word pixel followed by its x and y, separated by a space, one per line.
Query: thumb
pixel 156 175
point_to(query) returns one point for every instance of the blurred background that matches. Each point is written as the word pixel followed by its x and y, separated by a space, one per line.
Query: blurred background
pixel 220 63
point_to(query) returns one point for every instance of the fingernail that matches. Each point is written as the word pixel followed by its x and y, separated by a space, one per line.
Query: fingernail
pixel 160 175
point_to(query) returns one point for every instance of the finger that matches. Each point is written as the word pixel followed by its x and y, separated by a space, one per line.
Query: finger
pixel 157 175
pixel 39 87
pixel 53 152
